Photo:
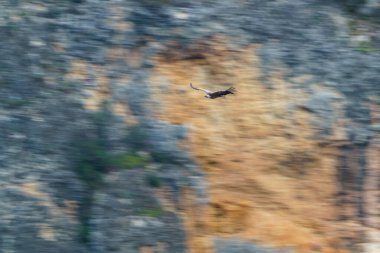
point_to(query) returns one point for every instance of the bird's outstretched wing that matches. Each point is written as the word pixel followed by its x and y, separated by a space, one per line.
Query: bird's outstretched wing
pixel 207 91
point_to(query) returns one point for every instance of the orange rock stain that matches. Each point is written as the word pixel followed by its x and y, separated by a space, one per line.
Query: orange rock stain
pixel 270 180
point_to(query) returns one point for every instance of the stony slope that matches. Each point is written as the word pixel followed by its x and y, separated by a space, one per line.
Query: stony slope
pixel 288 164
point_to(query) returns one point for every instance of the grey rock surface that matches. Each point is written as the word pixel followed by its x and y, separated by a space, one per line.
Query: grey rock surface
pixel 239 246
pixel 41 113
pixel 127 217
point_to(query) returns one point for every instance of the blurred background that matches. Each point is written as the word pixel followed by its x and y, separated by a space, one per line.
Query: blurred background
pixel 104 147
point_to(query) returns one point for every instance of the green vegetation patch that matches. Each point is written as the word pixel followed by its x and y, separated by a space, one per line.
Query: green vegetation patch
pixel 153 180
pixel 156 2
pixel 154 213
pixel 92 162
pixel 366 47
pixel 84 233
pixel 129 160
pixel 16 103
pixel 137 138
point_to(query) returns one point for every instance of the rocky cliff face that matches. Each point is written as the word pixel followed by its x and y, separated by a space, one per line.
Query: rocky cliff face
pixel 105 148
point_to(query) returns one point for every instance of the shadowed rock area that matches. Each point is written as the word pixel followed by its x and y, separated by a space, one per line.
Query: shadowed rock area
pixel 105 148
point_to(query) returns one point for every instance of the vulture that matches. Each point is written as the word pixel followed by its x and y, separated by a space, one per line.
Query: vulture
pixel 216 94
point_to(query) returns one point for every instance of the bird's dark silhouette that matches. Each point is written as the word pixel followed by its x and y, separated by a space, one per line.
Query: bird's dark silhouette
pixel 216 94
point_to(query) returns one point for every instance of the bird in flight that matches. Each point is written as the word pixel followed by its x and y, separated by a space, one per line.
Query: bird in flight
pixel 216 94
